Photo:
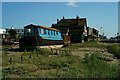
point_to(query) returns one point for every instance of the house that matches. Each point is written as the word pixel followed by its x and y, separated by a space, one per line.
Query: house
pixel 95 34
pixel 75 28
pixel 92 33
pixel 5 36
pixel 20 32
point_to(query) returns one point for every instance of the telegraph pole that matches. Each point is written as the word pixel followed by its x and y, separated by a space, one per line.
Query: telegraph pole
pixel 101 31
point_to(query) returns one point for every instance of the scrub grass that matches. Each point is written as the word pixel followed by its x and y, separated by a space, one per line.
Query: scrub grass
pixel 44 64
pixel 97 68
pixel 114 49
pixel 88 44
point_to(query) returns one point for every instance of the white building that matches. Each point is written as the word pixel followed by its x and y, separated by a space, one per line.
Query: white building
pixel 2 31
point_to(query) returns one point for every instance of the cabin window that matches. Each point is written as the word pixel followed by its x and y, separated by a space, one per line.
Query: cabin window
pixel 3 36
pixel 51 32
pixel 39 30
pixel 54 32
pixel 57 32
pixel 29 32
pixel 48 32
pixel 44 31
pixel 36 31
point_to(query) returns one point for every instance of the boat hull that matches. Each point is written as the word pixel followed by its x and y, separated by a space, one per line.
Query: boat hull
pixel 37 41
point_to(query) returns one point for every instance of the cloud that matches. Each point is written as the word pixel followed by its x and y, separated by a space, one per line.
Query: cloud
pixel 72 4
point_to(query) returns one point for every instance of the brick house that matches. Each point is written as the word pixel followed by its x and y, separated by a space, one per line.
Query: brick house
pixel 75 28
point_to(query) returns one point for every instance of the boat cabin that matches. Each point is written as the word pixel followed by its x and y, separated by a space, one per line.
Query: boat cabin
pixel 36 35
pixel 42 31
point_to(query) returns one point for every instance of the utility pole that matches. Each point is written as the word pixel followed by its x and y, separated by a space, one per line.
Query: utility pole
pixel 101 32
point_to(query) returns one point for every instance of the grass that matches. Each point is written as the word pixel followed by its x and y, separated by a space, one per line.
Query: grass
pixel 96 68
pixel 66 67
pixel 38 64
pixel 115 49
pixel 88 44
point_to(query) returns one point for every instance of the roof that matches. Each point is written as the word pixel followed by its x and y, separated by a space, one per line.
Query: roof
pixel 31 25
pixel 82 21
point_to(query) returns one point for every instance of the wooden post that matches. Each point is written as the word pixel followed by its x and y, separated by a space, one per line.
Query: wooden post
pixel 51 49
pixel 21 58
pixel 10 60
pixel 59 51
pixel 37 53
pixel 30 55
pixel 56 51
pixel 11 48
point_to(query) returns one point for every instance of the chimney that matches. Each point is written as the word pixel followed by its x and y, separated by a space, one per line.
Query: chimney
pixel 12 27
pixel 57 20
pixel 63 17
pixel 77 17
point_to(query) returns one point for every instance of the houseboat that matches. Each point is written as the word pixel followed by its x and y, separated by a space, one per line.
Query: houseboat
pixel 40 37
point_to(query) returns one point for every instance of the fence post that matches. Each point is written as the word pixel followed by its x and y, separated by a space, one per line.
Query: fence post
pixel 56 51
pixel 59 51
pixel 30 55
pixel 21 58
pixel 37 53
pixel 10 60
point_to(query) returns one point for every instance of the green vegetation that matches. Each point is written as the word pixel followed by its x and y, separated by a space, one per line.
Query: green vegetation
pixel 97 68
pixel 115 49
pixel 44 64
pixel 88 44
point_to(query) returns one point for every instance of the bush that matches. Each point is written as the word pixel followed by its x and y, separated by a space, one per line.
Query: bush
pixel 45 52
pixel 97 68
pixel 20 69
pixel 114 49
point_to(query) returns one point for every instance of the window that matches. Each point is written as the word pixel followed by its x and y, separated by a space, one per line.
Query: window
pixel 48 32
pixel 54 32
pixel 27 32
pixel 39 30
pixel 57 32
pixel 3 36
pixel 35 31
pixel 42 31
pixel 30 32
pixel 51 32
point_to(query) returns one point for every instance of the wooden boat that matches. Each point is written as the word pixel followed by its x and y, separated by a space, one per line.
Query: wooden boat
pixel 40 36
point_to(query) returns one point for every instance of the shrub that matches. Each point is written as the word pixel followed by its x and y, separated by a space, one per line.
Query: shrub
pixel 114 49
pixel 20 69
pixel 97 68
pixel 45 52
